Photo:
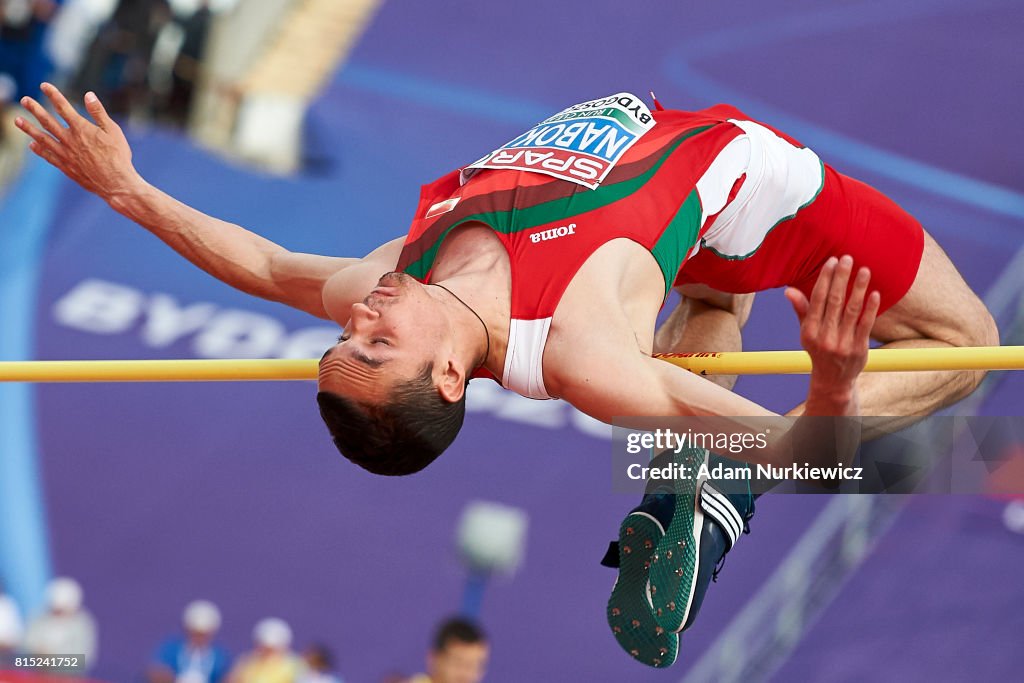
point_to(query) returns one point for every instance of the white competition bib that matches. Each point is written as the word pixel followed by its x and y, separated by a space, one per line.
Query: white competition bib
pixel 580 144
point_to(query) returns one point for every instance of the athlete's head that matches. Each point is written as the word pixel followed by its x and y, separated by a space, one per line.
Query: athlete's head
pixel 459 652
pixel 393 390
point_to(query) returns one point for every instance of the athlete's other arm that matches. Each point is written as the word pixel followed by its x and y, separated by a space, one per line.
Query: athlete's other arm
pixel 97 157
pixel 834 330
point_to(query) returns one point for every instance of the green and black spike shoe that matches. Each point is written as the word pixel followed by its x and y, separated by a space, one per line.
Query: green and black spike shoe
pixel 709 523
pixel 630 614
pixel 705 525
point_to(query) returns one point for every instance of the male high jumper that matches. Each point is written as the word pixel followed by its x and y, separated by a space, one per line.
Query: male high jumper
pixel 544 265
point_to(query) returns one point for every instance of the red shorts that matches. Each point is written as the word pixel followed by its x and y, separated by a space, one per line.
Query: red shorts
pixel 847 217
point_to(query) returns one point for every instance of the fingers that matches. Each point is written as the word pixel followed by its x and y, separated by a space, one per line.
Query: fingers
pixel 862 333
pixel 799 302
pixel 836 298
pixel 45 119
pixel 39 138
pixel 49 153
pixel 819 295
pixel 854 304
pixel 97 111
pixel 854 317
pixel 831 318
pixel 63 107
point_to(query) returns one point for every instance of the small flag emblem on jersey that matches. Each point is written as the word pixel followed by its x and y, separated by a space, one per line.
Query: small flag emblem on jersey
pixel 442 207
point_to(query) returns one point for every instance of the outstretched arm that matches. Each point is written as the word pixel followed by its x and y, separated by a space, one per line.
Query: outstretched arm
pixel 96 155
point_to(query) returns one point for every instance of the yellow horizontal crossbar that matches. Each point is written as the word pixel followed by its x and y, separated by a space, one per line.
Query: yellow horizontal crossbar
pixel 157 370
pixel 728 363
pixel 879 360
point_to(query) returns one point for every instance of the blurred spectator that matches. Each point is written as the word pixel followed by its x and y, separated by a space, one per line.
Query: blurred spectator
pixel 194 656
pixel 175 68
pixel 116 65
pixel 24 64
pixel 72 32
pixel 23 25
pixel 273 660
pixel 319 666
pixel 8 90
pixel 12 143
pixel 458 655
pixel 66 627
pixel 10 625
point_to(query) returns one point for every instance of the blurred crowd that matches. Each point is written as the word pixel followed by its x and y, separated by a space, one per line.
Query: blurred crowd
pixel 195 656
pixel 64 627
pixel 142 57
pixel 458 651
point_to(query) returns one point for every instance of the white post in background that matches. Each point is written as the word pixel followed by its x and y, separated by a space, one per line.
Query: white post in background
pixel 491 539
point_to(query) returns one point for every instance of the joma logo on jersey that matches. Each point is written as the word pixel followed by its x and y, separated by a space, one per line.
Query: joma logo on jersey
pixel 553 233
pixel 557 162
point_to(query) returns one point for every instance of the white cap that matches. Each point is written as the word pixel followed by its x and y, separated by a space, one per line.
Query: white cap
pixel 202 616
pixel 64 594
pixel 273 633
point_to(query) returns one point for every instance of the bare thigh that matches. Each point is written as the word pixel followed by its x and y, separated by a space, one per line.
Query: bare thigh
pixel 737 304
pixel 939 305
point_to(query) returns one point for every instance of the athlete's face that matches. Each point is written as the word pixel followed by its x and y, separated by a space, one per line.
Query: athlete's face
pixel 391 335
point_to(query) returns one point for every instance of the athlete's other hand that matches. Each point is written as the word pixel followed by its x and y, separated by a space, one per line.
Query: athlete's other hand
pixel 94 155
pixel 835 329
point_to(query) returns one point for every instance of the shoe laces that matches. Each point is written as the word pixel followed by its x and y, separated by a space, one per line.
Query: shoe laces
pixel 750 514
pixel 718 568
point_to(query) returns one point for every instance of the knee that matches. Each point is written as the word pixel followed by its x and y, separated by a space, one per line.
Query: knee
pixel 977 329
pixel 990 331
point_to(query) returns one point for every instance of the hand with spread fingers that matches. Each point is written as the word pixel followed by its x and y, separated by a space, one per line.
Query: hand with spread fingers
pixel 95 154
pixel 835 329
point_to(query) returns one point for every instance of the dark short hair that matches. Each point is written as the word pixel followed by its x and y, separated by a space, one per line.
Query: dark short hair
pixel 460 630
pixel 400 437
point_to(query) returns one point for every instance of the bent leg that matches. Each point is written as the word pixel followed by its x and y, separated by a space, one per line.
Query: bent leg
pixel 939 310
pixel 925 301
pixel 705 320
